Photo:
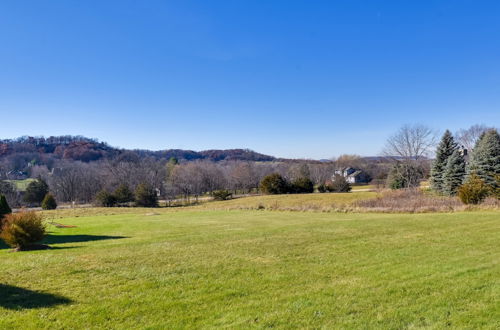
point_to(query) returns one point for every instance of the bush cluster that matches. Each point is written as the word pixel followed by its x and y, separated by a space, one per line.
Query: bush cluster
pixel 405 175
pixel 20 230
pixel 122 195
pixel 35 192
pixel 145 196
pixel 474 190
pixel 49 202
pixel 338 185
pixel 276 184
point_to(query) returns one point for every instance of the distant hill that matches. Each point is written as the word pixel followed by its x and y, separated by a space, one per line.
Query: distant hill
pixel 86 149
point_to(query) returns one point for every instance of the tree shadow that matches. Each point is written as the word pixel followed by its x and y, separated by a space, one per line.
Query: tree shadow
pixel 61 239
pixel 13 297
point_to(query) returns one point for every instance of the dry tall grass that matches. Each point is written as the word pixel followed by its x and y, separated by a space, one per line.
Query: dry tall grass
pixel 417 201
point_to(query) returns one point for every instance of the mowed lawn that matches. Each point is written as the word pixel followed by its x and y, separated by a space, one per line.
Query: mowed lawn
pixel 258 269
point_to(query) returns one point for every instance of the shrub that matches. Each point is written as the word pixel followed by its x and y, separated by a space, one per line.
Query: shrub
pixel 322 188
pixel 274 184
pixel 405 175
pixel 4 209
pixel 49 202
pixel 123 194
pixel 22 229
pixel 302 186
pixel 474 191
pixel 105 198
pixel 145 196
pixel 221 195
pixel 339 184
pixel 35 192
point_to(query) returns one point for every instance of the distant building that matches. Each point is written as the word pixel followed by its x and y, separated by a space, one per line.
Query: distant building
pixel 352 175
pixel 16 175
pixel 464 152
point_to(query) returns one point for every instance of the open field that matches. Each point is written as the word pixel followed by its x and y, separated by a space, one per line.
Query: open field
pixel 316 201
pixel 21 185
pixel 147 268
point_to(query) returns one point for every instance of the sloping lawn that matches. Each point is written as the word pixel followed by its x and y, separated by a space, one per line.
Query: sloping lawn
pixel 258 269
pixel 316 201
pixel 21 185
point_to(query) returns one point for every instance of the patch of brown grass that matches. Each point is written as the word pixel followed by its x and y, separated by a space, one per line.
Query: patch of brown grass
pixel 418 201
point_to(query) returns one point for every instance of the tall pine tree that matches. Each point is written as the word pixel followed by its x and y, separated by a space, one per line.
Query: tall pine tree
pixel 4 208
pixel 444 150
pixel 485 161
pixel 454 173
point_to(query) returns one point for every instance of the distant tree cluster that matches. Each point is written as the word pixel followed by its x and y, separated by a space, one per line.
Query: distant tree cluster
pixel 474 180
pixel 276 184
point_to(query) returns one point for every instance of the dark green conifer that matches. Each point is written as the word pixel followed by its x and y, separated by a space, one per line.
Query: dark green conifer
pixel 444 150
pixel 485 160
pixel 454 173
pixel 4 208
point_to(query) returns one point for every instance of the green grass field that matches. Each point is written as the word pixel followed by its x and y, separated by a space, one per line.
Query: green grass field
pixel 160 269
pixel 315 201
pixel 21 185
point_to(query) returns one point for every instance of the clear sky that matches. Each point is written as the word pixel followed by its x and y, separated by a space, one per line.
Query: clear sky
pixel 303 79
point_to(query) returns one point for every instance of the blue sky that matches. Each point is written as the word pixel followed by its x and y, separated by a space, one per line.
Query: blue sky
pixel 303 79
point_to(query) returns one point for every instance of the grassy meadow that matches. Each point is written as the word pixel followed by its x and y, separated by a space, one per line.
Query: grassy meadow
pixel 21 185
pixel 293 202
pixel 200 268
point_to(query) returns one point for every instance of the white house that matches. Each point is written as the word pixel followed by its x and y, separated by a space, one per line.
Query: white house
pixel 352 175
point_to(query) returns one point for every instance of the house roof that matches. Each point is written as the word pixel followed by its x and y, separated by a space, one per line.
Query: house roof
pixel 358 172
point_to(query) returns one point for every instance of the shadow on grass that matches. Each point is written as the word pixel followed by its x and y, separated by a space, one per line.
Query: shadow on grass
pixel 61 239
pixel 13 297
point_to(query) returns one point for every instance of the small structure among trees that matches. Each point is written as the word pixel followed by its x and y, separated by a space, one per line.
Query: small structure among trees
pixel 352 175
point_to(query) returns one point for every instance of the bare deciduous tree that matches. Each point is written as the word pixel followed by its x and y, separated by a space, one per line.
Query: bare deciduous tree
pixel 468 137
pixel 411 142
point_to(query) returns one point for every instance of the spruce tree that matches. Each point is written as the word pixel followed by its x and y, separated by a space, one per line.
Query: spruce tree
pixel 123 194
pixel 49 202
pixel 444 150
pixel 454 173
pixel 485 161
pixel 36 191
pixel 4 208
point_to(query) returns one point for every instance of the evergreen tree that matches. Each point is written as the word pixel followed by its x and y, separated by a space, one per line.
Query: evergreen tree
pixel 145 196
pixel 36 191
pixel 49 202
pixel 4 208
pixel 123 194
pixel 105 198
pixel 274 184
pixel 302 186
pixel 444 150
pixel 485 161
pixel 454 173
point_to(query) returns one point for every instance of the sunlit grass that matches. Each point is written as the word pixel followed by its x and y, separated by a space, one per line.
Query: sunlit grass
pixel 21 185
pixel 317 201
pixel 257 269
